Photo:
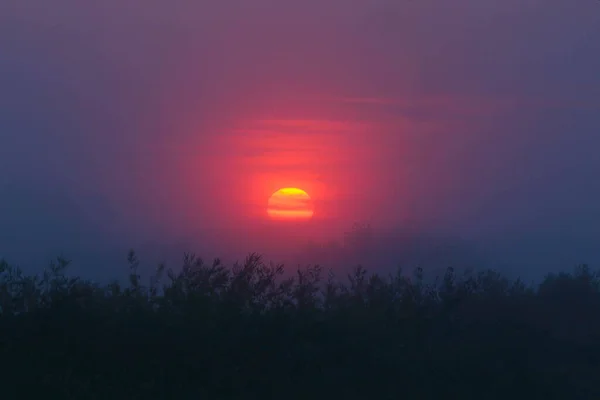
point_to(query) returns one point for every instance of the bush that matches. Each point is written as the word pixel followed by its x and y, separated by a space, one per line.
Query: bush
pixel 247 332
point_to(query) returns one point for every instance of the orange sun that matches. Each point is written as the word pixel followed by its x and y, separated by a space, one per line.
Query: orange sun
pixel 290 204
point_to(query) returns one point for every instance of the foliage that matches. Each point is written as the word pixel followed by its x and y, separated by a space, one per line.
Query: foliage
pixel 248 332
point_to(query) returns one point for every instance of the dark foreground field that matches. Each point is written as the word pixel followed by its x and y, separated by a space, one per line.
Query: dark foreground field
pixel 210 332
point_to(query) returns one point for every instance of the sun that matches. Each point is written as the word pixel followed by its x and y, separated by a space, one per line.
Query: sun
pixel 290 204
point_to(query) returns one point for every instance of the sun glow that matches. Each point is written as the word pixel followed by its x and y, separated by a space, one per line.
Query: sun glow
pixel 290 204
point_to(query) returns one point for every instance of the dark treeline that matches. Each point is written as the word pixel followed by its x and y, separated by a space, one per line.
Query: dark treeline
pixel 251 332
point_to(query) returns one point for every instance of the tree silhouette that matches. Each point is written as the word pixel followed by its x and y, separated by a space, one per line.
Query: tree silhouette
pixel 250 331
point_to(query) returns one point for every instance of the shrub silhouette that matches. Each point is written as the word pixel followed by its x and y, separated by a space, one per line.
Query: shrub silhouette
pixel 249 332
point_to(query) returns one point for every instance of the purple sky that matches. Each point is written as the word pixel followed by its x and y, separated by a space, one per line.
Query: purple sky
pixel 129 122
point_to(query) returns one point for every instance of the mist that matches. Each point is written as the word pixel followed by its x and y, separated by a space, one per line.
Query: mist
pixel 164 126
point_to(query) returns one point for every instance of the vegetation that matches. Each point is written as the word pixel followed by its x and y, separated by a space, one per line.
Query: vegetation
pixel 249 332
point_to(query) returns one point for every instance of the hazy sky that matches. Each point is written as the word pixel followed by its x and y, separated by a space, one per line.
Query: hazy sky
pixel 126 122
